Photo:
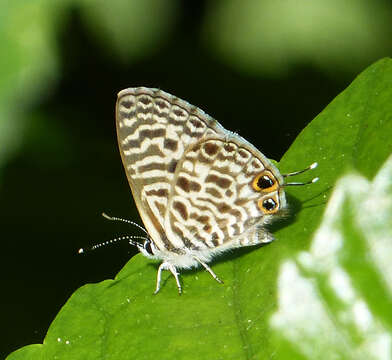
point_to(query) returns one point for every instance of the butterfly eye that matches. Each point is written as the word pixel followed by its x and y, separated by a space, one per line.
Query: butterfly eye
pixel 264 182
pixel 147 247
pixel 268 206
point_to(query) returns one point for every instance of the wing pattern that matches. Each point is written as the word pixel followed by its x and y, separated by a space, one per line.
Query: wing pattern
pixel 213 203
pixel 154 129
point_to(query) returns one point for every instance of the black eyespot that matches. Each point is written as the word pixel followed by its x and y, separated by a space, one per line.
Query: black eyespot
pixel 147 247
pixel 269 204
pixel 264 182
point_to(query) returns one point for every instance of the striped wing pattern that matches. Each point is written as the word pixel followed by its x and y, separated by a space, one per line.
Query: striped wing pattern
pixel 154 129
pixel 212 202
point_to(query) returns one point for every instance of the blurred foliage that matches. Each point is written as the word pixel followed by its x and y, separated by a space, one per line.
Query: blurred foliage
pixel 130 29
pixel 335 300
pixel 27 65
pixel 29 62
pixel 269 306
pixel 269 36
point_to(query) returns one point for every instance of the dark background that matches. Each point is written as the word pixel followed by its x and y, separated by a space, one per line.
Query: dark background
pixel 67 168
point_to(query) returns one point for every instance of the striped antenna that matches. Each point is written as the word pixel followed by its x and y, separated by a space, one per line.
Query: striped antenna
pixel 113 218
pixel 130 238
pixel 113 241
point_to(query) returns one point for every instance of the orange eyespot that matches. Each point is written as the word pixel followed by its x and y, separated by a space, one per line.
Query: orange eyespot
pixel 265 182
pixel 268 205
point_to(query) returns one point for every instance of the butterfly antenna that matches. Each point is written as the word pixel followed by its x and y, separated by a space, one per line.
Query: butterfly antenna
pixel 310 167
pixel 113 218
pixel 130 238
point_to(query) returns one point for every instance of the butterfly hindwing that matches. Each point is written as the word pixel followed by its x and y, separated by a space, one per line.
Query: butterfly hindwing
pixel 212 201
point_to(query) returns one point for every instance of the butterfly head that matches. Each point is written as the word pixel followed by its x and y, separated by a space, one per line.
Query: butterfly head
pixel 147 248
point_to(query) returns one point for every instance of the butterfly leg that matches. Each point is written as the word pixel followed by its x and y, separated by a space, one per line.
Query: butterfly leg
pixel 173 270
pixel 208 269
pixel 159 275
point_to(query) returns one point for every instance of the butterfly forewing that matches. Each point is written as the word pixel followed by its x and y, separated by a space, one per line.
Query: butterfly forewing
pixel 154 129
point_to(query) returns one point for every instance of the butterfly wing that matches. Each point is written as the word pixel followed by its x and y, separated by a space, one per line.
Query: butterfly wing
pixel 154 129
pixel 213 203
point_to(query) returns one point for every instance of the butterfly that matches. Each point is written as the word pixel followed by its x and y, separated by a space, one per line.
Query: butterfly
pixel 199 188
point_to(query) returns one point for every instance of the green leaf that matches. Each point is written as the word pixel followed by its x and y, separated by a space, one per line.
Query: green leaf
pixel 336 298
pixel 245 317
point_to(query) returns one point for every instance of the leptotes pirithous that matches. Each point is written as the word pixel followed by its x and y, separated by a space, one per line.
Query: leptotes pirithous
pixel 199 189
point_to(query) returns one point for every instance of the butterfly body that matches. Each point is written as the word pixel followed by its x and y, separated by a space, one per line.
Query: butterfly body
pixel 199 188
